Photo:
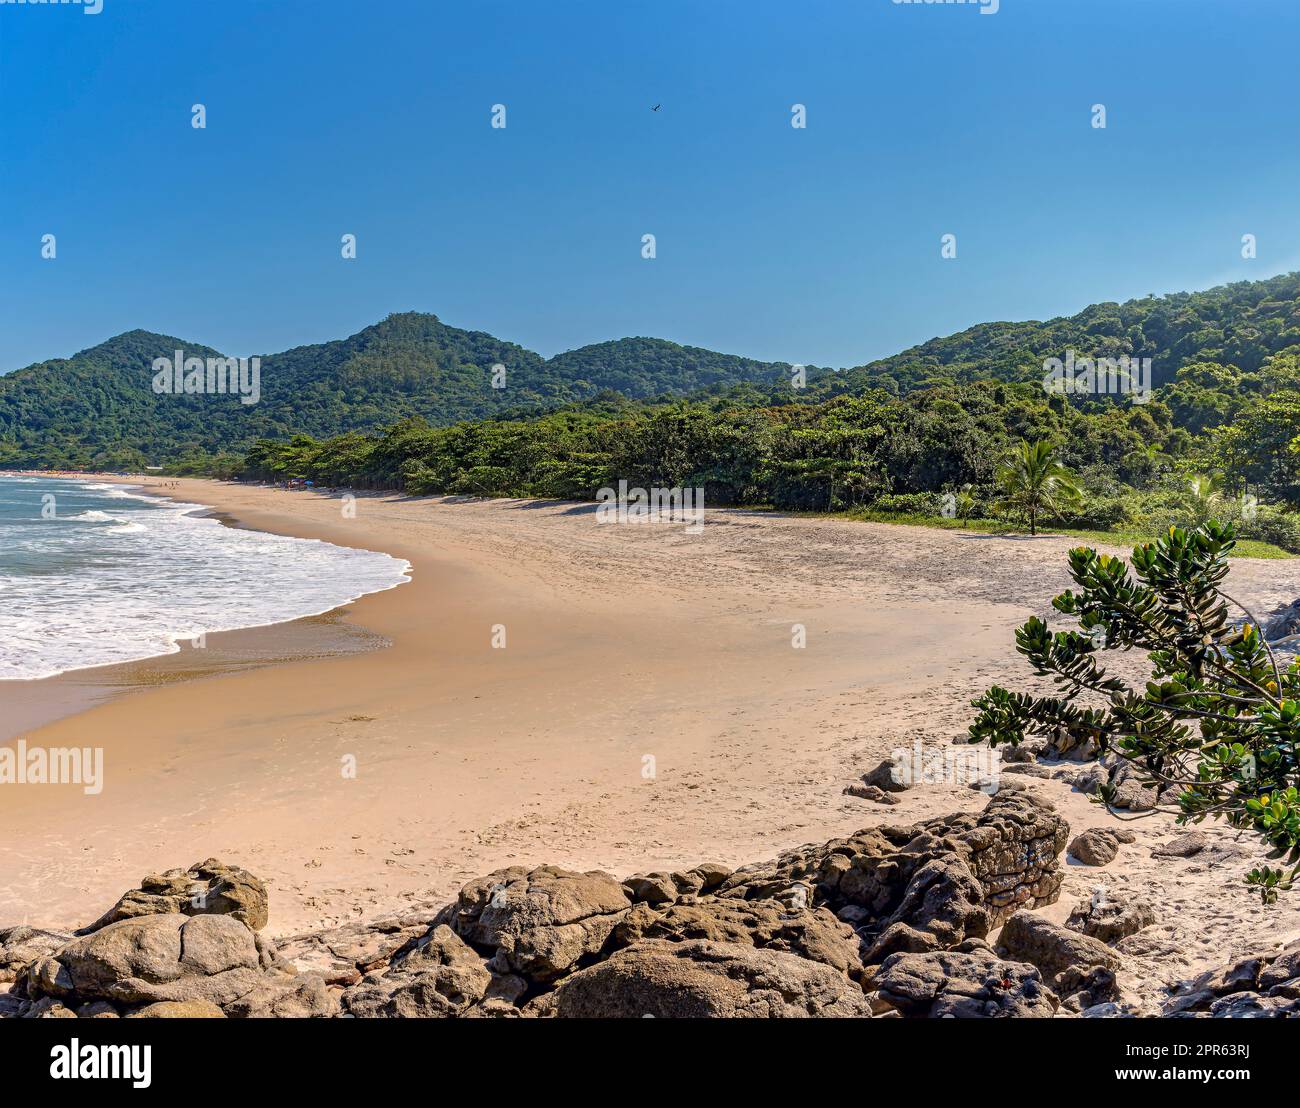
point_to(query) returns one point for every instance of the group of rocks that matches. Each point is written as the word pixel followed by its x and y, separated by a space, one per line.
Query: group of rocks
pixel 893 921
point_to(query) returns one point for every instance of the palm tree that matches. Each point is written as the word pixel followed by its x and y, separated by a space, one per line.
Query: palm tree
pixel 1206 493
pixel 965 505
pixel 1034 482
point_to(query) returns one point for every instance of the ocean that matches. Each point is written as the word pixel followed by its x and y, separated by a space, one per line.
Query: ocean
pixel 93 573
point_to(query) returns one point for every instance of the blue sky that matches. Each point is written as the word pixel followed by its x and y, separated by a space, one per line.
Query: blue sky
pixel 818 246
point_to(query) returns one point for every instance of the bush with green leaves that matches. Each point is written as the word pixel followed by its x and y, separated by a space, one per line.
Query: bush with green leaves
pixel 1216 729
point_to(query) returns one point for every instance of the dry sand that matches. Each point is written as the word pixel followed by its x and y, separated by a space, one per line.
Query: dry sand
pixel 622 643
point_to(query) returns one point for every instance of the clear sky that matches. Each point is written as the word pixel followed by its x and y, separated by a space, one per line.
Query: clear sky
pixel 821 245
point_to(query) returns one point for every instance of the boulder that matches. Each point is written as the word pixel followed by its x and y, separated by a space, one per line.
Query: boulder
pixel 1109 917
pixel 1182 846
pixel 971 982
pixel 209 887
pixel 538 923
pixel 815 934
pixel 1095 847
pixel 928 885
pixel 174 958
pixel 179 1010
pixel 439 976
pixel 1054 949
pixel 22 944
pixel 699 978
pixel 890 776
pixel 1283 622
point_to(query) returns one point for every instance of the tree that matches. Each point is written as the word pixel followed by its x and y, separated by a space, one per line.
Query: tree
pixel 1216 730
pixel 1033 482
pixel 964 505
pixel 1205 496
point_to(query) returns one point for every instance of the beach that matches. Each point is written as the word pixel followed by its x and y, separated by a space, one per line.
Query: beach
pixel 550 689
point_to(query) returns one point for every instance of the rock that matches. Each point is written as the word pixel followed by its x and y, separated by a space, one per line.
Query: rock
pixel 1131 791
pixel 1055 950
pixel 929 885
pixel 1085 987
pixel 973 983
pixel 22 944
pixel 206 887
pixel 1028 769
pixel 539 922
pixel 814 934
pixel 1184 846
pixel 651 888
pixel 440 976
pixel 1252 1006
pixel 1283 622
pixel 1095 847
pixel 280 996
pixel 712 874
pixel 169 957
pixel 1109 917
pixel 1090 778
pixel 699 978
pixel 890 776
pixel 872 793
pixel 179 1009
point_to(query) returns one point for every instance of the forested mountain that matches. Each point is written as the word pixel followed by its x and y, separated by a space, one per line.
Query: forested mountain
pixel 98 407
pixel 1239 324
pixel 1210 356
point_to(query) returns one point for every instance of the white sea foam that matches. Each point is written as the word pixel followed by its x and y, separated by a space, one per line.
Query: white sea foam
pixel 94 587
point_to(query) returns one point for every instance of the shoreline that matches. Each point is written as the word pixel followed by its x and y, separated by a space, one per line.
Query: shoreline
pixel 623 643
pixel 36 702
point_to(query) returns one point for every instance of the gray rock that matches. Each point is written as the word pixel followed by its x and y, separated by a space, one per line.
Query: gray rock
pixel 1054 949
pixel 972 983
pixel 1183 846
pixel 699 978
pixel 1109 917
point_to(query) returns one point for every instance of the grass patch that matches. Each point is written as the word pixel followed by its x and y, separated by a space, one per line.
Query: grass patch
pixel 1245 548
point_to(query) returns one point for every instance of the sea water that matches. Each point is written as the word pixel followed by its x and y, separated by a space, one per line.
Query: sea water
pixel 93 573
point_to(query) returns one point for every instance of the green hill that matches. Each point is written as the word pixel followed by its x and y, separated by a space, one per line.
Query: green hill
pixel 98 408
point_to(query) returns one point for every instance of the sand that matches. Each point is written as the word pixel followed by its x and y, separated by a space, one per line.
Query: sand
pixel 648 710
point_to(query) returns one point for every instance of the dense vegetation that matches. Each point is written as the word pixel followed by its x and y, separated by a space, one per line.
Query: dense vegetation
pixel 1216 728
pixel 409 404
pixel 98 408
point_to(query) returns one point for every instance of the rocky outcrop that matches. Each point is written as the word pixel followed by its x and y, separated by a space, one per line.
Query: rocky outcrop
pixel 801 935
pixel 1071 963
pixel 22 944
pixel 969 982
pixel 129 966
pixel 206 888
pixel 1262 986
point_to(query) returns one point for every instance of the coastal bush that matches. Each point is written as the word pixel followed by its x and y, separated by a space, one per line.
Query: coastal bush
pixel 1216 729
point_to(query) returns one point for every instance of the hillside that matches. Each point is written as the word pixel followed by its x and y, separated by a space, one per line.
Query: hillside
pixel 98 408
pixel 1239 324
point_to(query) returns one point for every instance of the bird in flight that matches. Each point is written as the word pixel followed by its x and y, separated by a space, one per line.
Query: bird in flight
pixel 656 107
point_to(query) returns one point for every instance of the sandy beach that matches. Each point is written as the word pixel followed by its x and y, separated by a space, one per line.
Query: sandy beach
pixel 648 710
